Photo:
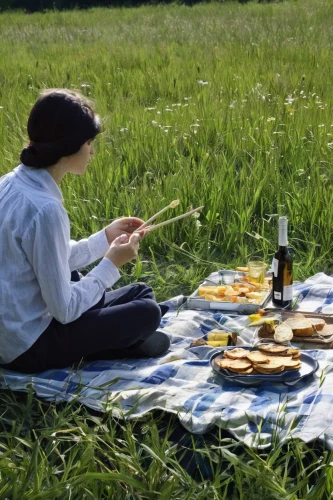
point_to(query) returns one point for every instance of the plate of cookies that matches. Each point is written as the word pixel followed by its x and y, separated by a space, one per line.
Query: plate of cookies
pixel 264 363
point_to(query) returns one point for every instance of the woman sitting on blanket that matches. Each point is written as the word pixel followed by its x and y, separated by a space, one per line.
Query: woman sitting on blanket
pixel 49 316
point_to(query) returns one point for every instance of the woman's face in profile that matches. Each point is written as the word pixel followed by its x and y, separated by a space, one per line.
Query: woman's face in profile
pixel 77 163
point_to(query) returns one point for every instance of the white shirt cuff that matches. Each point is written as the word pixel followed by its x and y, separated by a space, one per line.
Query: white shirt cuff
pixel 106 272
pixel 98 244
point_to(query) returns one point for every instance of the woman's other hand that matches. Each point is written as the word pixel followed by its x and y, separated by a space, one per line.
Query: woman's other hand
pixel 124 248
pixel 126 225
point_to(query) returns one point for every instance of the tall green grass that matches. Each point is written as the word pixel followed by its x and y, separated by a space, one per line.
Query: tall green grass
pixel 225 105
pixel 65 452
pixel 253 142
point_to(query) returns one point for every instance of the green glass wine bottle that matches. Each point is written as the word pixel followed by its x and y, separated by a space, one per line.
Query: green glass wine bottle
pixel 283 269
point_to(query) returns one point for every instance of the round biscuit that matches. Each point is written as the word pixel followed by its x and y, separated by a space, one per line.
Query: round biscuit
pixel 297 367
pixel 237 353
pixel 238 364
pixel 242 372
pixel 257 357
pixel 264 369
pixel 274 361
pixel 273 349
pixel 289 362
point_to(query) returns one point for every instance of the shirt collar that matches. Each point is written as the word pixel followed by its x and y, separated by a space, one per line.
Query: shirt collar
pixel 39 177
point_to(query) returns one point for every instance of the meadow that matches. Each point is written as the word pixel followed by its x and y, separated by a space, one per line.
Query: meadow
pixel 223 105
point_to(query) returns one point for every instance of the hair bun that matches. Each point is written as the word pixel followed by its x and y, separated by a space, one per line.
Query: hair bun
pixel 29 157
pixel 33 157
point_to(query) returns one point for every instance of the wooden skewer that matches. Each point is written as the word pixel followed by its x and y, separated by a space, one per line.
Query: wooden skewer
pixel 156 226
pixel 173 204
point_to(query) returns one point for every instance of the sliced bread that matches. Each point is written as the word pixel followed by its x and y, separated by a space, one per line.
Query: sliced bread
pixel 283 333
pixel 301 327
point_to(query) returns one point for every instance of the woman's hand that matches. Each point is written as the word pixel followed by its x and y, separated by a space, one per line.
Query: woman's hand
pixel 126 225
pixel 124 248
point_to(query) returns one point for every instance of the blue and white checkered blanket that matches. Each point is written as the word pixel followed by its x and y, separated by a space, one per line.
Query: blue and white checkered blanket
pixel 182 382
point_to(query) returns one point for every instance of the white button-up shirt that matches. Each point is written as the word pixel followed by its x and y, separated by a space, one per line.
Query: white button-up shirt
pixel 36 260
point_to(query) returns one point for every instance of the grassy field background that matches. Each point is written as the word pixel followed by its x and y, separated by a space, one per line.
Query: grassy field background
pixel 223 105
pixel 227 106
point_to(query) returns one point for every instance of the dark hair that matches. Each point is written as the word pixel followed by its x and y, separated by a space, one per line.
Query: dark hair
pixel 60 122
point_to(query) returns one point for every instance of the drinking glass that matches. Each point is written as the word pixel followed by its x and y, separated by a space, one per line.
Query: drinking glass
pixel 257 270
pixel 227 277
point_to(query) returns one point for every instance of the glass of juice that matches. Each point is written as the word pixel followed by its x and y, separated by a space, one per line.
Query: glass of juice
pixel 257 270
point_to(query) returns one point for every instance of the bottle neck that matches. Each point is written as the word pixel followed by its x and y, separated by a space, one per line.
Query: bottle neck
pixel 283 234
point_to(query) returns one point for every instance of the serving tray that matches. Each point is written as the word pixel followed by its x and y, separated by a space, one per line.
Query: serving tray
pixel 195 302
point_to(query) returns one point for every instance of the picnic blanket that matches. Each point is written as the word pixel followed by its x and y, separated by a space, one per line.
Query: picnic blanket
pixel 182 382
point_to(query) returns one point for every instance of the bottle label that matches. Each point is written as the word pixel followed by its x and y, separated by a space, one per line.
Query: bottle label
pixel 277 296
pixel 288 292
pixel 275 267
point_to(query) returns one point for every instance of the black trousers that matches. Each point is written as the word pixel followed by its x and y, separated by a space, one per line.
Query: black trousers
pixel 112 328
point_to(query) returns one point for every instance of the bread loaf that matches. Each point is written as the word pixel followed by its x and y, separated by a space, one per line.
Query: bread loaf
pixel 318 323
pixel 301 327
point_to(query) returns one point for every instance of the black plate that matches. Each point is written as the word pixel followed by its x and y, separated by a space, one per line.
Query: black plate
pixel 309 366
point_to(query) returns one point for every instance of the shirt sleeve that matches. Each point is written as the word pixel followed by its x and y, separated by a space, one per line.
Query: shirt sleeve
pixel 46 244
pixel 88 250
